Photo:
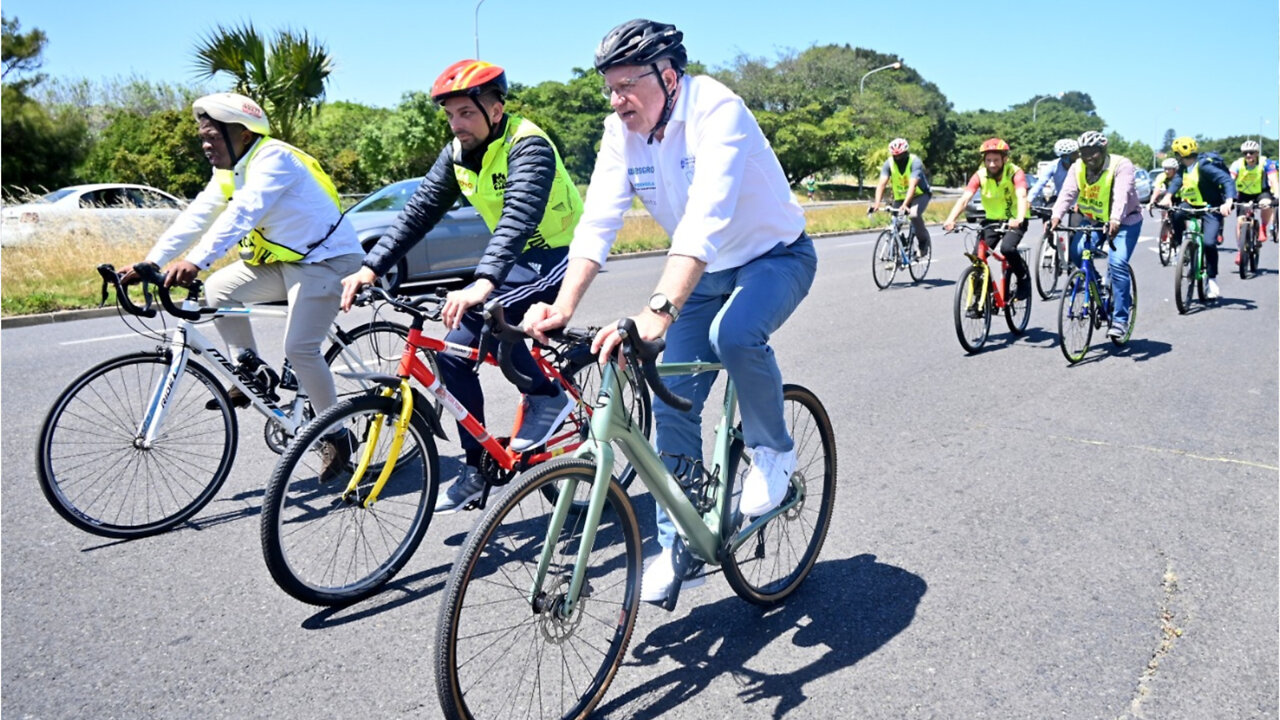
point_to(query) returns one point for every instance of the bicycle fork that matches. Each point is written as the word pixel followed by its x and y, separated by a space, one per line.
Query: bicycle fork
pixel 158 405
pixel 393 453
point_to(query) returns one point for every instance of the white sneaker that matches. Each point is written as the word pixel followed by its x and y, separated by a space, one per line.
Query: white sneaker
pixel 659 577
pixel 1211 290
pixel 767 481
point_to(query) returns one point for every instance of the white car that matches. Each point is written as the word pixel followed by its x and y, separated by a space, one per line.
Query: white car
pixel 109 212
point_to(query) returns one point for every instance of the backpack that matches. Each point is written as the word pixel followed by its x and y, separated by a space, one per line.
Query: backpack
pixel 1216 160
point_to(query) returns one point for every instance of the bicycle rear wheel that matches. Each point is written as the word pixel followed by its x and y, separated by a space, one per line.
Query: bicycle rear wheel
pixel 921 262
pixel 884 259
pixel 1075 317
pixel 1047 265
pixel 101 477
pixel 973 308
pixel 326 549
pixel 1016 312
pixel 773 563
pixel 499 655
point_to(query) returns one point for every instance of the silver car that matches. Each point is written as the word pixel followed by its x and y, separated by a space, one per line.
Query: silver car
pixel 104 212
pixel 1142 183
pixel 452 249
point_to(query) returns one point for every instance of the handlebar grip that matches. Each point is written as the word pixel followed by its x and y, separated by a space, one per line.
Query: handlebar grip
pixel 646 352
pixel 109 276
pixel 496 327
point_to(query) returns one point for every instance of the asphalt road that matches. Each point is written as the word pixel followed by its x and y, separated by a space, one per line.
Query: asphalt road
pixel 1014 538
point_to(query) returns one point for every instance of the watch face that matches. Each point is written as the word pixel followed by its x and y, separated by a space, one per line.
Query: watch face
pixel 657 302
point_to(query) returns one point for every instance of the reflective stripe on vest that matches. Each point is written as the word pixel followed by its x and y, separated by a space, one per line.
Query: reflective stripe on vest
pixel 255 248
pixel 1249 180
pixel 998 196
pixel 1190 190
pixel 1095 199
pixel 485 190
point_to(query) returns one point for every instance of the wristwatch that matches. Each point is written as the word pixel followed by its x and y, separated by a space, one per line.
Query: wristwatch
pixel 660 304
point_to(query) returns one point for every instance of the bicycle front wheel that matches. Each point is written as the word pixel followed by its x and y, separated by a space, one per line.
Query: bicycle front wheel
pixel 884 259
pixel 499 654
pixel 320 542
pixel 1185 278
pixel 100 475
pixel 1166 245
pixel 1016 312
pixel 973 308
pixel 920 264
pixel 1075 317
pixel 1047 265
pixel 1245 250
pixel 773 563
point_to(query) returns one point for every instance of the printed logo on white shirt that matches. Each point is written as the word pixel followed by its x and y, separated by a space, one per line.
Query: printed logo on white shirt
pixel 642 178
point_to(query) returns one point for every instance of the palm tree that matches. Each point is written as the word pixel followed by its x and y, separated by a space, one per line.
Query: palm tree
pixel 287 78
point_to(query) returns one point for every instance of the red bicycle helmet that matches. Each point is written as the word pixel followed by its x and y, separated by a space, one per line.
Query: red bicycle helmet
pixel 469 78
pixel 994 145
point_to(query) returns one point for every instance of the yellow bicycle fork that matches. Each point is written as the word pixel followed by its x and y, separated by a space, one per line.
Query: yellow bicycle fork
pixel 981 287
pixel 393 453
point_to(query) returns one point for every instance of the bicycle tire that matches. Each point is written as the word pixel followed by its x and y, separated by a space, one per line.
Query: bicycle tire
pixel 763 571
pixel 1075 317
pixel 326 550
pixel 884 260
pixel 1133 310
pixel 972 331
pixel 126 491
pixel 1184 279
pixel 1047 265
pixel 487 601
pixel 1245 250
pixel 379 346
pixel 1167 249
pixel 919 268
pixel 1017 313
pixel 585 376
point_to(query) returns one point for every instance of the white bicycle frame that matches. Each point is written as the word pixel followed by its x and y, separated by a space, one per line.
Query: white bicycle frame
pixel 187 338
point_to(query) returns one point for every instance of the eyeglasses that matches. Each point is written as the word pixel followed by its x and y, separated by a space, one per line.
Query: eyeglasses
pixel 625 87
pixel 1091 152
pixel 1250 152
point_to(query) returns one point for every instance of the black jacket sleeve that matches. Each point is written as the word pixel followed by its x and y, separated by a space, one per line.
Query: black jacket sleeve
pixel 531 168
pixel 433 198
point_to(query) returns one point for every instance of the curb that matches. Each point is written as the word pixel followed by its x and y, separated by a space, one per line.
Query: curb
pixel 19 321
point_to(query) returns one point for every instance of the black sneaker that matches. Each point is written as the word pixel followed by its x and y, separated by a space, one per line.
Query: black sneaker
pixel 922 250
pixel 335 452
pixel 238 400
pixel 1023 291
pixel 542 415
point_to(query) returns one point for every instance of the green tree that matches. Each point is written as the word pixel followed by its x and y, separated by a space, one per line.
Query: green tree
pixel 1167 142
pixel 41 148
pixel 287 75
pixel 333 135
pixel 1139 152
pixel 571 113
pixel 160 149
pixel 405 142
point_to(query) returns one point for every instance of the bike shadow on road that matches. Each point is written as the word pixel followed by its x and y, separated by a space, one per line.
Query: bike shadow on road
pixel 846 610
pixel 1137 350
pixel 401 591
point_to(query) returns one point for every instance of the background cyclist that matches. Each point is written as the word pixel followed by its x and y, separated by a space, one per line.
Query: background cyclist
pixel 1160 183
pixel 264 188
pixel 1047 187
pixel 1101 187
pixel 1256 181
pixel 740 261
pixel 509 170
pixel 910 188
pixel 1004 197
pixel 1203 181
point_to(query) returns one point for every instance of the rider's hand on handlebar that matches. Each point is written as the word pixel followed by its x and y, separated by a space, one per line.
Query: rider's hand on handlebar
pixel 1226 208
pixel 649 324
pixel 180 273
pixel 541 319
pixel 354 283
pixel 128 276
pixel 948 226
pixel 872 208
pixel 458 302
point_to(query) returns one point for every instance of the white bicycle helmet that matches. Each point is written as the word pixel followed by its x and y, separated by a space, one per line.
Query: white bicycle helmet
pixel 1250 146
pixel 1093 138
pixel 1170 164
pixel 1065 147
pixel 897 146
pixel 231 108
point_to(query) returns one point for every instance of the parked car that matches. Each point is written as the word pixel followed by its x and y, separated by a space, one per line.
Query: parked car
pixel 109 212
pixel 1142 183
pixel 973 212
pixel 453 248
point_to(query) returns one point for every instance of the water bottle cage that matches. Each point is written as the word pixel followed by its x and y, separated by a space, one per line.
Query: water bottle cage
pixel 694 479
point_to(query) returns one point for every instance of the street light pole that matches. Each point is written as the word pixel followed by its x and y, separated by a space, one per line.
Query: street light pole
pixel 477 27
pixel 1041 99
pixel 890 66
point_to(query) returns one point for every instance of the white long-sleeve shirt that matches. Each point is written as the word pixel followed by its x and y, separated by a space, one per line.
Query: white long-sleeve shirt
pixel 277 195
pixel 713 183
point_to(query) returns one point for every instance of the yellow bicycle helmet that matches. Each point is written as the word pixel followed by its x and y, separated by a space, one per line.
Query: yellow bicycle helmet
pixel 1185 146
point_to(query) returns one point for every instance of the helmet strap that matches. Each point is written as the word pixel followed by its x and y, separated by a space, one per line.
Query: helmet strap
pixel 668 104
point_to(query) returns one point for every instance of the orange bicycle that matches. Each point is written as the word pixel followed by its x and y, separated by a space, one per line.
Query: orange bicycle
pixel 977 294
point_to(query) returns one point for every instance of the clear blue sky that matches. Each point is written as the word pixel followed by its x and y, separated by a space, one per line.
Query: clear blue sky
pixel 383 48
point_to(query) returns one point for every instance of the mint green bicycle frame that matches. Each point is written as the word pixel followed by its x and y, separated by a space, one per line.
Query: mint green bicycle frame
pixel 610 424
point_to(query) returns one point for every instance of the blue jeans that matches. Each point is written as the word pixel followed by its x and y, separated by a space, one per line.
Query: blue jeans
pixel 1118 267
pixel 729 318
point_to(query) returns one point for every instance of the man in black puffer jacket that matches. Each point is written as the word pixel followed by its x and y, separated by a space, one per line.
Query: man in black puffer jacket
pixel 512 174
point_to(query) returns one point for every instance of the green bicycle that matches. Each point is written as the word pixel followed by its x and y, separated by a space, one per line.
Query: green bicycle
pixel 543 597
pixel 1191 273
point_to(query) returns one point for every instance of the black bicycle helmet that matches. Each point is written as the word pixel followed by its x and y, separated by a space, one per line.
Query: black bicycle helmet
pixel 641 42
